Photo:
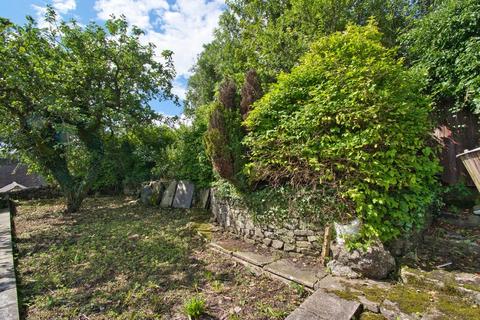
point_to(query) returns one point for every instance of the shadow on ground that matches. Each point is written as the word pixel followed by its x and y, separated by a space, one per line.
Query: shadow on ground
pixel 110 256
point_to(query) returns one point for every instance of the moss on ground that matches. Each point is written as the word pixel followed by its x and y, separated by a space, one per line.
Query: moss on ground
pixel 415 298
pixel 455 308
pixel 470 286
pixel 410 300
pixel 371 316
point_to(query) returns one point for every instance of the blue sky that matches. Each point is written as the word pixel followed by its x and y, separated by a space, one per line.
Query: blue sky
pixel 182 26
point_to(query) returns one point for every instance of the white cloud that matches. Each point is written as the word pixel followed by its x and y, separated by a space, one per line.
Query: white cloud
pixel 182 27
pixel 64 6
pixel 179 89
pixel 60 6
pixel 136 11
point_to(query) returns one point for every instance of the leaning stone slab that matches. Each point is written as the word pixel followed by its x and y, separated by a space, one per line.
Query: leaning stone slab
pixel 168 195
pixel 183 195
pixel 288 270
pixel 254 258
pixel 202 199
pixel 8 286
pixel 323 306
pixel 146 195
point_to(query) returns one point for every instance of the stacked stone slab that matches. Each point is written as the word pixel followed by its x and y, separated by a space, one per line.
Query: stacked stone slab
pixel 174 194
pixel 294 235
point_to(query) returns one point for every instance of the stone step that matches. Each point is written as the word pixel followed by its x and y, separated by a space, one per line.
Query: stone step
pixel 254 258
pixel 323 306
pixel 286 269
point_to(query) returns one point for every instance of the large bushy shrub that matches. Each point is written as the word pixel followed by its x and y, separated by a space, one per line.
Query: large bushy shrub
pixel 350 116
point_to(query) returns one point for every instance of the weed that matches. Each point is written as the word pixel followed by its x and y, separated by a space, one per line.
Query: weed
pixel 300 289
pixel 194 307
pixel 270 312
pixel 217 286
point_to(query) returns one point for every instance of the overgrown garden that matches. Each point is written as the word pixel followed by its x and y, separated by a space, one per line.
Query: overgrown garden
pixel 303 113
pixel 327 107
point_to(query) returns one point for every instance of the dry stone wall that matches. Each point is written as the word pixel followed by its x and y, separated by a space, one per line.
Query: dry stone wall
pixel 294 235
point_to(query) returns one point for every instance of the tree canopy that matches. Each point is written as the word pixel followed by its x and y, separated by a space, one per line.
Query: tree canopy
pixel 271 36
pixel 64 87
pixel 446 44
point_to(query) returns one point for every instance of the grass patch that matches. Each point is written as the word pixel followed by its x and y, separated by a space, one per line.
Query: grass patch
pixel 118 260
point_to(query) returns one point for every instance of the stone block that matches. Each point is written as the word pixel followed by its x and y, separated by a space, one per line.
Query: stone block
pixel 288 247
pixel 258 232
pixel 287 239
pixel 146 195
pixel 301 238
pixel 267 241
pixel 304 244
pixel 312 238
pixel 249 224
pixel 289 226
pixel 303 232
pixel 277 244
pixel 183 195
pixel 168 195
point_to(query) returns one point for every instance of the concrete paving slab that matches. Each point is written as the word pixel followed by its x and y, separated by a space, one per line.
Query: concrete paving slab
pixel 255 258
pixel 8 285
pixel 288 270
pixel 323 306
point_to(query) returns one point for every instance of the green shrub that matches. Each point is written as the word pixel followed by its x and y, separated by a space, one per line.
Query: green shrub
pixel 194 307
pixel 350 116
pixel 186 157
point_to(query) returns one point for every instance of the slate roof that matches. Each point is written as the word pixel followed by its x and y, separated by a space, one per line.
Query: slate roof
pixel 12 171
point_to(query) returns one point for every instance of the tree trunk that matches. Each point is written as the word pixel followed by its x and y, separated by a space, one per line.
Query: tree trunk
pixel 73 201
